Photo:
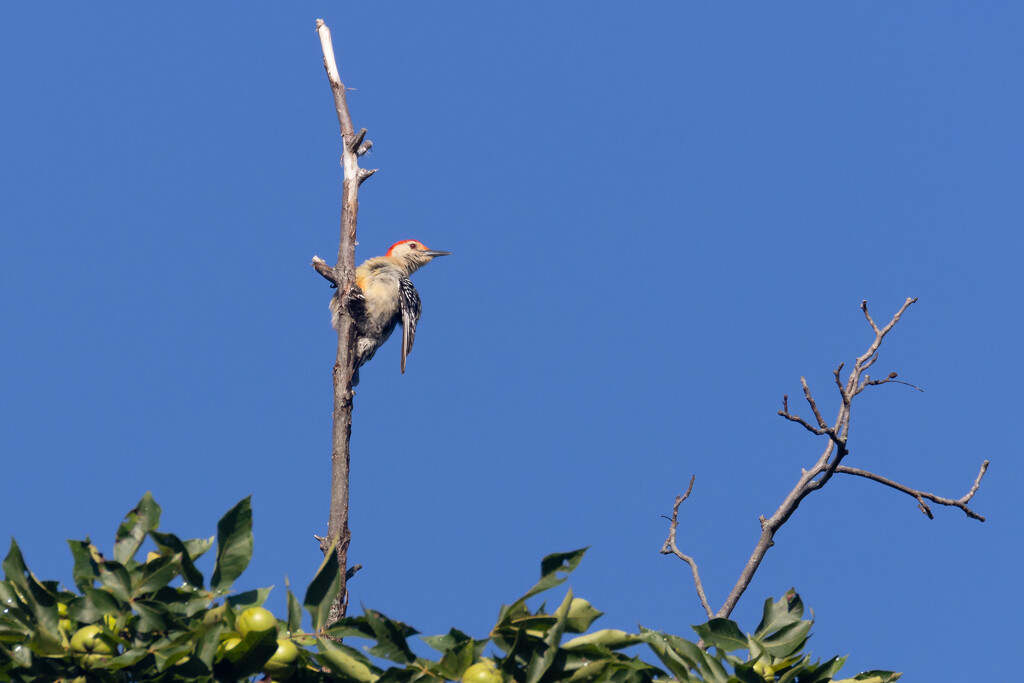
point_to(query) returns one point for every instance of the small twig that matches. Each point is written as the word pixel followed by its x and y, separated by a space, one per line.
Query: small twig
pixel 864 307
pixel 800 421
pixel 670 547
pixel 357 139
pixel 814 406
pixel 892 379
pixel 921 495
pixel 839 383
pixel 823 429
pixel 325 270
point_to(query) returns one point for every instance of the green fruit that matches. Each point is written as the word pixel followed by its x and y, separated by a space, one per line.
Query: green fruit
pixel 87 640
pixel 255 619
pixel 765 670
pixel 482 672
pixel 227 645
pixel 87 661
pixel 283 661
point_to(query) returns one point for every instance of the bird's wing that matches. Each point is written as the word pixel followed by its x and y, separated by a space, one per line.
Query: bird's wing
pixel 410 302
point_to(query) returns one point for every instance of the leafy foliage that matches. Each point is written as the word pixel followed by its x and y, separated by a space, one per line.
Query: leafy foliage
pixel 125 622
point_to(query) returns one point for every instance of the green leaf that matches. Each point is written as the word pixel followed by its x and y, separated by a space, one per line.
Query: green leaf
pixel 92 606
pixel 249 656
pixel 166 657
pixel 348 663
pixel 349 627
pixel 822 673
pixel 115 579
pixel 253 598
pixel 779 613
pixel 85 571
pixel 19 654
pixel 14 567
pixel 36 598
pixel 126 659
pixel 44 608
pixel 45 643
pixel 153 616
pixel 746 674
pixel 723 634
pixel 197 547
pixel 788 639
pixel 791 675
pixel 182 602
pixel 581 615
pixel 611 639
pixel 142 519
pixel 294 609
pixel 234 545
pixel 714 671
pixel 551 566
pixel 169 544
pixel 390 637
pixel 593 669
pixel 157 573
pixel 323 590
pixel 450 641
pixel 456 660
pixel 395 675
pixel 207 640
pixel 679 655
pixel 540 662
pixel 633 670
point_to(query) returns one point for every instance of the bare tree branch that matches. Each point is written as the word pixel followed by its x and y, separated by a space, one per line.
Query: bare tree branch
pixel 670 547
pixel 342 276
pixel 828 463
pixel 921 495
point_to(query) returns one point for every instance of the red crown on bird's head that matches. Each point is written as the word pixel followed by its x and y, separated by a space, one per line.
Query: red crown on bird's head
pixel 415 243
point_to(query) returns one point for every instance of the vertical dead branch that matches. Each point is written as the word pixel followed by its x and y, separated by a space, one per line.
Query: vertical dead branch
pixel 343 277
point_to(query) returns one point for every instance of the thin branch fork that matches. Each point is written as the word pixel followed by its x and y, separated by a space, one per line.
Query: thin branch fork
pixel 342 276
pixel 670 547
pixel 830 461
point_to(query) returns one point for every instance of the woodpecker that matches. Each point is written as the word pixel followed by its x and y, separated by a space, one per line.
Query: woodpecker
pixel 389 299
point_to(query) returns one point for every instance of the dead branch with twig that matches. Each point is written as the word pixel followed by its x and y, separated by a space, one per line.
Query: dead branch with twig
pixel 828 464
pixel 343 277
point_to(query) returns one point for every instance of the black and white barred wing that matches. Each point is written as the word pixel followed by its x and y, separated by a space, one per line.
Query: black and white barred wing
pixel 410 302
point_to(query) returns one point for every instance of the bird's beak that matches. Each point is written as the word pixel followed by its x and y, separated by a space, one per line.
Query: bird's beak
pixel 433 252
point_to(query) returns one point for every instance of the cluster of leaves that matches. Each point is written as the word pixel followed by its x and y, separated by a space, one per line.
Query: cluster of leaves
pixel 127 623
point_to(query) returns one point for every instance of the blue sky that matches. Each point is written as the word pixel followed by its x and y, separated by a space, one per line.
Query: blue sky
pixel 661 218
